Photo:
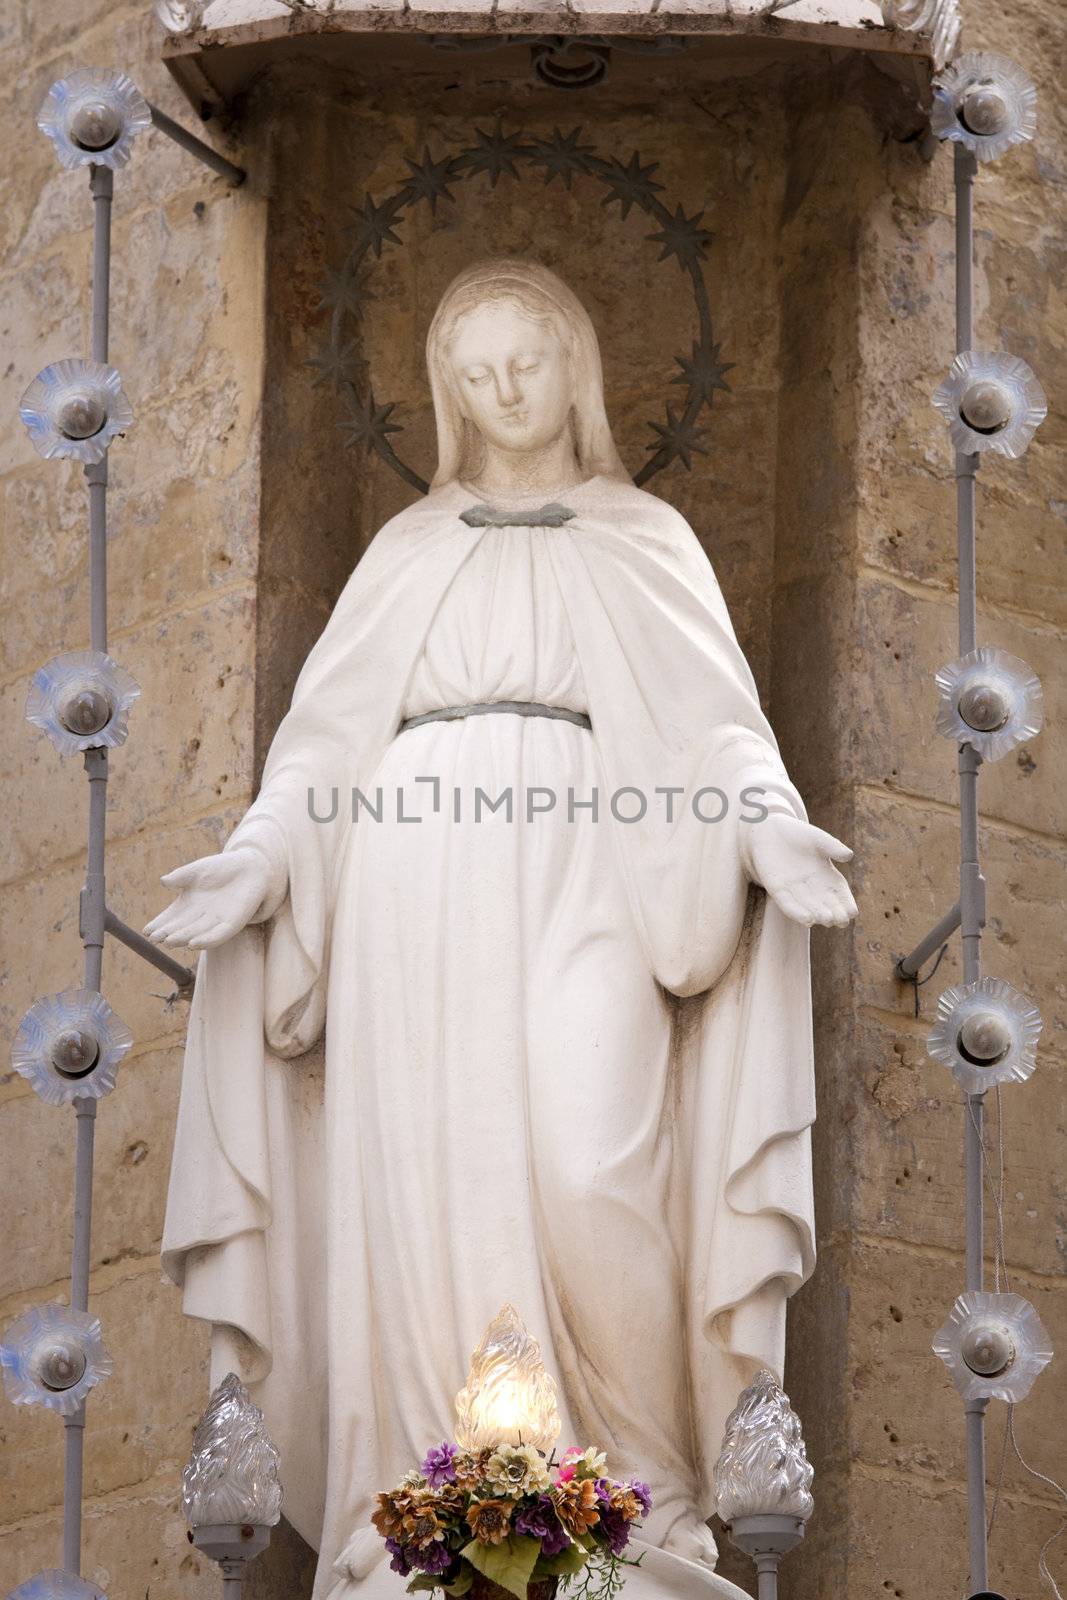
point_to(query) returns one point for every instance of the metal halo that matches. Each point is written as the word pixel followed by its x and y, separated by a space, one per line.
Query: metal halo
pixel 497 154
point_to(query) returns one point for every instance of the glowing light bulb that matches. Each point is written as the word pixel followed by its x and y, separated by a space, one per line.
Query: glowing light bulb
pixel 509 1398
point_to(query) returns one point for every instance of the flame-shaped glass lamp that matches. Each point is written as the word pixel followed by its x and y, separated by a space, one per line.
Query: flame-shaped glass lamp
pixel 994 1345
pixel 56 1585
pixel 69 1046
pixel 991 401
pixel 509 1398
pixel 938 18
pixel 82 701
pixel 986 1033
pixel 94 115
pixel 989 700
pixel 179 16
pixel 763 1468
pixel 52 1356
pixel 74 409
pixel 232 1474
pixel 986 103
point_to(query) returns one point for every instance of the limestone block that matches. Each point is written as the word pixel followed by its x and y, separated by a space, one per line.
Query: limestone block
pixel 187 751
pixel 906 640
pixel 134 1130
pixel 40 952
pixel 907 1416
pixel 134 1542
pixel 906 876
pixel 140 1419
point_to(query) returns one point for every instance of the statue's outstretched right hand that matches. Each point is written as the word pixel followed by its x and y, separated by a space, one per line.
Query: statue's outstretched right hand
pixel 217 897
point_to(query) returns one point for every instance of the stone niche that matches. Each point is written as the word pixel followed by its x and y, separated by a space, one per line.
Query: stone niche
pixel 782 150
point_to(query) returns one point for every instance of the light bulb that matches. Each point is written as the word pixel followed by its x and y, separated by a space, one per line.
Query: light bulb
pixel 986 406
pixel 987 1348
pixel 984 707
pixel 94 124
pixel 985 1038
pixel 984 110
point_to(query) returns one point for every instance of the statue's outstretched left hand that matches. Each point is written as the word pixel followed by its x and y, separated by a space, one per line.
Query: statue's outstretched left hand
pixel 794 861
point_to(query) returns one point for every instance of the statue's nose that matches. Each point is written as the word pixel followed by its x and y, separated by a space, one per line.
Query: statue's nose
pixel 507 390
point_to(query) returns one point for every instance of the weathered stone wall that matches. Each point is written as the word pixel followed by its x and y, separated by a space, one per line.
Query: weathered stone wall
pixel 825 502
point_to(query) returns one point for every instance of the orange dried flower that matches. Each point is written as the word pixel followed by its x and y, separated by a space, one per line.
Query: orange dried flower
pixel 576 1503
pixel 490 1520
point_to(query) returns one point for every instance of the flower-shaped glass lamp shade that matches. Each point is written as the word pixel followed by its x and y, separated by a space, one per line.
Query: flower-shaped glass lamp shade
pixel 989 700
pixel 69 1046
pixel 938 18
pixel 94 116
pixel 986 103
pixel 52 1356
pixel 994 1345
pixel 56 1585
pixel 509 1398
pixel 763 1469
pixel 179 16
pixel 75 409
pixel 232 1474
pixel 82 701
pixel 991 402
pixel 986 1033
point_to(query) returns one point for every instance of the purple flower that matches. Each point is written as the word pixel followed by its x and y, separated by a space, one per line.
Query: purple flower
pixel 400 1562
pixel 643 1493
pixel 437 1469
pixel 540 1522
pixel 433 1558
pixel 615 1529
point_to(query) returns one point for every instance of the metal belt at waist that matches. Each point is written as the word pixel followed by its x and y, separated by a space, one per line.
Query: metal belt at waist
pixel 484 708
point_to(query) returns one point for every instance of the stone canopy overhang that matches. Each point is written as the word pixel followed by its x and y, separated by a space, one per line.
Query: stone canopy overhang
pixel 214 51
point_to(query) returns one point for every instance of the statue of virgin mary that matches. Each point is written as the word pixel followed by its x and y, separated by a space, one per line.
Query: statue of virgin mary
pixel 505 997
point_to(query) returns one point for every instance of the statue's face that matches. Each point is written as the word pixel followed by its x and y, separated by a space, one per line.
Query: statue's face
pixel 512 377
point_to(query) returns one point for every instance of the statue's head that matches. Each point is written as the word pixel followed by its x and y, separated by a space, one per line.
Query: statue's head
pixel 514 360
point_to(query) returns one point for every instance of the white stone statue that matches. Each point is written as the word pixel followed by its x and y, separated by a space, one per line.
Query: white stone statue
pixel 475 1054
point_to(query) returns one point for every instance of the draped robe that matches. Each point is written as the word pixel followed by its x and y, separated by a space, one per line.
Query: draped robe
pixel 279 1224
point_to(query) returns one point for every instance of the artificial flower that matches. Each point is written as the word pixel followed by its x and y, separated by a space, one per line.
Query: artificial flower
pixel 490 1520
pixel 437 1468
pixel 581 1464
pixel 540 1522
pixel 577 1505
pixel 518 1469
pixel 400 1562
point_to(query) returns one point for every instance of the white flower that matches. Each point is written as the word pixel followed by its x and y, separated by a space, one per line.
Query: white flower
pixel 518 1469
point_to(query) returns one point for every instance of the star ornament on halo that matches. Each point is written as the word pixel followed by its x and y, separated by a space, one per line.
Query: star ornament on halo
pixel 683 237
pixel 679 439
pixel 335 367
pixel 368 423
pixel 495 155
pixel 630 185
pixel 702 372
pixel 373 226
pixel 344 291
pixel 562 156
pixel 429 179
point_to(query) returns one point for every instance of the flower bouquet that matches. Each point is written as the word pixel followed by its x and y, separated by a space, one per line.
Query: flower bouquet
pixel 506 1521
